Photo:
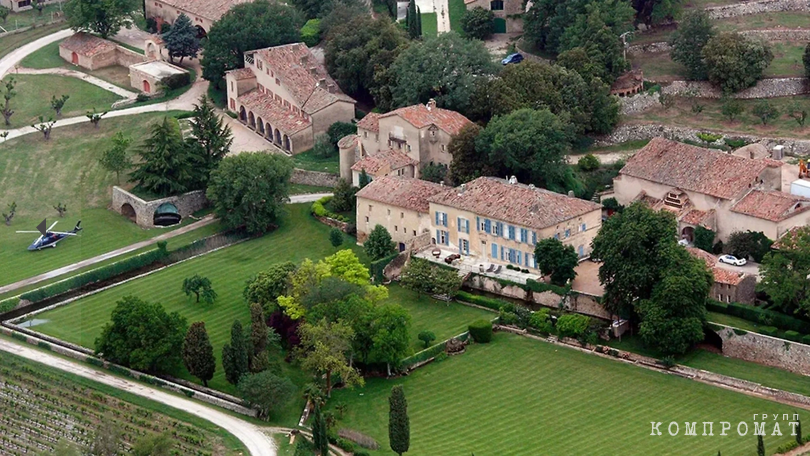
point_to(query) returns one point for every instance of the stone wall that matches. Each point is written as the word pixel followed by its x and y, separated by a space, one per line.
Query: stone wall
pixel 756 7
pixel 314 178
pixel 630 132
pixel 638 103
pixel 778 34
pixel 648 48
pixel 762 349
pixel 586 305
pixel 393 269
pixel 187 204
pixel 765 88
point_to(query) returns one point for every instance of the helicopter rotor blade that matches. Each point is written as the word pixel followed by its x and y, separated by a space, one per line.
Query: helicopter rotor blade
pixel 28 232
pixel 66 233
pixel 53 225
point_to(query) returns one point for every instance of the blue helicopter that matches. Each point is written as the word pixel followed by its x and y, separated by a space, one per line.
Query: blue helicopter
pixel 50 238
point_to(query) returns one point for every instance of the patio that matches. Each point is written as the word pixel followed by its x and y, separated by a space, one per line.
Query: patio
pixel 467 264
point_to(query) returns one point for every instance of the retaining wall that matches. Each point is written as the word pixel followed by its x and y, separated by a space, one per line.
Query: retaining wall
pixel 315 178
pixel 762 349
pixel 765 88
pixel 756 7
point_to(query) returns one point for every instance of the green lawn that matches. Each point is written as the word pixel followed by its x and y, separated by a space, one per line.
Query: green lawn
pixel 45 57
pixel 307 160
pixel 29 17
pixel 34 94
pixel 430 25
pixel 456 9
pixel 37 175
pixel 787 60
pixel 299 189
pixel 785 19
pixel 11 42
pixel 520 396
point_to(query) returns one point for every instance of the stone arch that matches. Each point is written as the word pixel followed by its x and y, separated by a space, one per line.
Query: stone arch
pixel 268 132
pixel 711 338
pixel 201 33
pixel 251 120
pixel 152 50
pixel 278 137
pixel 260 126
pixel 688 233
pixel 129 212
pixel 147 88
pixel 242 114
pixel 287 143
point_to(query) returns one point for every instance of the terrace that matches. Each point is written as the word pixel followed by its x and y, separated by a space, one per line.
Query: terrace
pixel 468 264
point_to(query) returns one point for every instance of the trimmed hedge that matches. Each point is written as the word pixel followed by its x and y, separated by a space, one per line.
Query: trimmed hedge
pixel 9 304
pixel 95 275
pixel 806 340
pixel 539 287
pixel 378 266
pixel 484 301
pixel 318 208
pixel 769 331
pixel 481 331
pixel 793 335
pixel 423 355
pixel 757 315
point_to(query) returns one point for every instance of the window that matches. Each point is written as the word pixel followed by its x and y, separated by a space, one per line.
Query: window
pixel 583 227
pixel 524 235
pixel 402 215
pixel 463 225
pixel 365 134
pixel 370 207
pixel 441 219
pixel 267 70
pixel 496 5
pixel 259 64
pixel 233 104
pixel 442 237
pixel 278 82
pixel 395 228
pixel 728 298
pixel 442 147
pixel 494 250
pixel 367 219
pixel 557 236
pixel 414 232
pixel 534 237
pixel 498 229
pixel 232 89
pixel 567 233
pixel 464 246
pixel 409 147
pixel 389 211
pixel 511 232
pixel 581 251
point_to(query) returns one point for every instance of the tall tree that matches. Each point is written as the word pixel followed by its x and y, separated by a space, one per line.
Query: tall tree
pixel 412 21
pixel 167 167
pixel 106 439
pixel 784 272
pixel 102 17
pixel 343 198
pixel 379 244
pixel 198 353
pixel 556 260
pixel 468 162
pixel 319 430
pixel 141 335
pixel 200 287
pixel 58 103
pixel 443 68
pixel 530 144
pixel 181 39
pixel 4 12
pixel 258 329
pixel 8 94
pixel 391 339
pixel 250 189
pixel 246 27
pixel 478 23
pixel 735 62
pixel 268 285
pixel 235 356
pixel 116 159
pixel 399 426
pixel 324 351
pixel 266 391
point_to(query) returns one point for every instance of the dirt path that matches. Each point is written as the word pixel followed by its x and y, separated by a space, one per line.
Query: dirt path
pixel 106 256
pixel 257 442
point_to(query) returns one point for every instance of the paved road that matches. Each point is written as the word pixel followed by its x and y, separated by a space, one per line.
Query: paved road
pixel 106 256
pixel 256 441
pixel 12 58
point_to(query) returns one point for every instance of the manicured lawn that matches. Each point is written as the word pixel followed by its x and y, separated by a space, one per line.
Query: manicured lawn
pixel 48 57
pixel 430 24
pixel 299 189
pixel 711 118
pixel 34 94
pixel 520 396
pixel 456 9
pixel 307 160
pixel 11 42
pixel 37 175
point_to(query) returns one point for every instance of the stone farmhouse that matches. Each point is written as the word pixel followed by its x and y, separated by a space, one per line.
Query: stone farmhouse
pixel 203 13
pixel 728 286
pixel 507 13
pixel 710 188
pixel 490 220
pixel 286 96
pixel 400 142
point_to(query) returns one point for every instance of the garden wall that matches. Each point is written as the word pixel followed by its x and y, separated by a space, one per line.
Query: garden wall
pixel 756 7
pixel 315 178
pixel 638 103
pixel 765 88
pixel 144 211
pixel 631 132
pixel 762 349
pixel 766 34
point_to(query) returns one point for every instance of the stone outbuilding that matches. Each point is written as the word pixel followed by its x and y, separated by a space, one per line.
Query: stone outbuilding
pixel 148 77
pixel 149 214
pixel 628 84
pixel 203 13
pixel 728 286
pixel 88 51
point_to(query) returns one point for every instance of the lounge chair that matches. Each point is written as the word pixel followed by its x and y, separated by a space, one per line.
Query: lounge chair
pixel 491 267
pixel 497 270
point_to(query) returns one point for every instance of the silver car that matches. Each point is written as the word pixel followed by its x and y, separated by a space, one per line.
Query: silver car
pixel 732 260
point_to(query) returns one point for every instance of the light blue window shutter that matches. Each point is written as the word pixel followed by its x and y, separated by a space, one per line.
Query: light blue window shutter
pixel 488 226
pixel 444 218
pixel 458 224
pixel 534 237
pixel 494 250
pixel 502 253
pixel 438 236
pixel 519 258
pixel 478 224
pixel 446 238
pixel 437 218
pixel 584 227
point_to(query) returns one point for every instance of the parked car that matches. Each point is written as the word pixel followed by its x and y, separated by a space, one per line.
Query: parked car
pixel 732 260
pixel 517 57
pixel 683 242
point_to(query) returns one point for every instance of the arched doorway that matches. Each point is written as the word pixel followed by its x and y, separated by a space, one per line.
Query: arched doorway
pixel 147 88
pixel 128 211
pixel 287 143
pixel 251 120
pixel 499 25
pixel 242 114
pixel 269 132
pixel 712 340
pixel 278 137
pixel 74 58
pixel 151 50
pixel 688 233
pixel 201 33
pixel 260 126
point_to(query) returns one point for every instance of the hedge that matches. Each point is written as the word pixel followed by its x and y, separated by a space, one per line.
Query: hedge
pixel 423 355
pixel 769 331
pixel 378 266
pixel 9 304
pixel 311 32
pixel 483 301
pixel 756 314
pixel 806 340
pixel 95 275
pixel 176 81
pixel 318 208
pixel 572 325
pixel 481 331
pixel 539 287
pixel 793 335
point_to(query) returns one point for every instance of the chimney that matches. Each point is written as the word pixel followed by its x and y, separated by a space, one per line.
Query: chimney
pixel 313 71
pixel 331 88
pixel 304 60
pixel 431 104
pixel 441 183
pixel 513 180
pixel 570 193
pixel 322 82
pixel 463 187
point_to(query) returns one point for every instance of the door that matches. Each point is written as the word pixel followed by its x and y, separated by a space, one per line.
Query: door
pixel 74 58
pixel 146 87
pixel 500 25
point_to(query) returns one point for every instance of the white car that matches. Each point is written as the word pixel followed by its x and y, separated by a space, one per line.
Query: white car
pixel 732 260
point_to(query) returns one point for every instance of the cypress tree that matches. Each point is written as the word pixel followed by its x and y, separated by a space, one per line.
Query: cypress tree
pixel 799 432
pixel 419 21
pixel 198 353
pixel 399 428
pixel 760 446
pixel 412 20
pixel 235 355
pixel 319 431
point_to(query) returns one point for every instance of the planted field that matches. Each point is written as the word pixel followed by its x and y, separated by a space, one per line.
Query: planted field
pixel 38 175
pixel 40 406
pixel 517 393
pixel 34 94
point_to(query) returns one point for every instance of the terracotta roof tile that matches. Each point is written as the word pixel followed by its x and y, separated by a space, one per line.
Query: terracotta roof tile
pixel 693 168
pixel 628 80
pixel 407 193
pixel 728 277
pixel 212 10
pixel 794 233
pixel 242 73
pixel 771 205
pixel 86 44
pixel 710 259
pixel 515 203
pixel 370 122
pixel 420 116
pixel 262 105
pixel 390 159
pixel 307 80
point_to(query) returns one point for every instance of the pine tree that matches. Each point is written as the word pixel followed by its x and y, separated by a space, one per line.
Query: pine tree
pixel 181 39
pixel 166 167
pixel 258 329
pixel 399 428
pixel 198 353
pixel 760 446
pixel 319 431
pixel 210 139
pixel 235 355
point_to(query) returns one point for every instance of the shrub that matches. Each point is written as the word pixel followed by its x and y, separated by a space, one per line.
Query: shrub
pixel 481 331
pixel 793 335
pixel 142 97
pixel 94 361
pixel 539 287
pixel 377 267
pixel 311 32
pixel 668 362
pixel 318 209
pixel 345 445
pixel 9 304
pixel 43 344
pixel 359 438
pixel 483 301
pixel 806 340
pixel 19 336
pixel 588 163
pixel 769 331
pixel 740 332
pixel 792 445
pixel 572 325
pixel 540 321
pixel 735 143
pixel 440 357
pixel 423 355
pixel 427 337
pixel 507 318
pixel 177 81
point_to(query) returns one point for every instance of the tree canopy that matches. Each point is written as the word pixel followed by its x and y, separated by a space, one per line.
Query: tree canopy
pixel 784 273
pixel 167 166
pixel 656 11
pixel 379 244
pixel 694 31
pixel 198 353
pixel 210 138
pixel 141 335
pixel 478 23
pixel 236 354
pixel 245 27
pixel 324 351
pixel 468 162
pixel 556 260
pixel 181 39
pixel 250 189
pixel 266 286
pixel 103 17
pixel 735 62
pixel 399 428
pixel 266 391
